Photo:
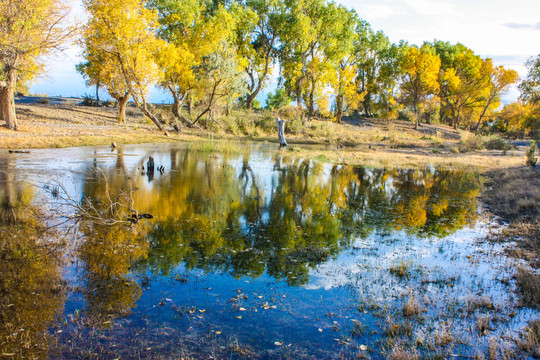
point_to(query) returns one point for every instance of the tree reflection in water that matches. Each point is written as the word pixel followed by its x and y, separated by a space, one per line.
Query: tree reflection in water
pixel 218 214
pixel 234 215
pixel 31 291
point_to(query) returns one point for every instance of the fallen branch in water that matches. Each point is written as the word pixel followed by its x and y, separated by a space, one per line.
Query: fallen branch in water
pixel 113 211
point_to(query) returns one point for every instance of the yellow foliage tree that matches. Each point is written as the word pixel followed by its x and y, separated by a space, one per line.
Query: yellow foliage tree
pixel 121 33
pixel 199 62
pixel 420 77
pixel 28 29
pixel 500 79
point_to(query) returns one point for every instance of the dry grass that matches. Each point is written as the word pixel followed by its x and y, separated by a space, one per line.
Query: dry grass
pixel 54 126
pixel 401 270
pixel 483 324
pixel 412 307
pixel 371 142
pixel 530 340
pixel 514 196
pixel 528 284
pixel 402 354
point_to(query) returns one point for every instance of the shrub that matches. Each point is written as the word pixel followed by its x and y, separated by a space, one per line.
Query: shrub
pixel 411 307
pixel 531 155
pixel 470 142
pixel 43 100
pixel 498 144
pixel 267 123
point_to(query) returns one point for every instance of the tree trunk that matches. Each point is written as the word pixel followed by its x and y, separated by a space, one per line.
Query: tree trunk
pixel 416 116
pixel 299 99
pixel 311 110
pixel 97 92
pixel 7 100
pixel 367 105
pixel 177 103
pixel 189 105
pixel 249 100
pixel 122 104
pixel 484 110
pixel 339 108
pixel 151 116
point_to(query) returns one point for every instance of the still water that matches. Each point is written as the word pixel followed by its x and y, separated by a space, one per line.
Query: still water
pixel 251 253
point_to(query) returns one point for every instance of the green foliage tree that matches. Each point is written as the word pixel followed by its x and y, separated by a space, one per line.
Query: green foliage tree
pixel 339 51
pixel 278 99
pixel 378 69
pixel 530 86
pixel 257 40
pixel 201 63
pixel 303 63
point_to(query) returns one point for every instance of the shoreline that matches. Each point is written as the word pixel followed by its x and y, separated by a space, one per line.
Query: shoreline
pixel 359 141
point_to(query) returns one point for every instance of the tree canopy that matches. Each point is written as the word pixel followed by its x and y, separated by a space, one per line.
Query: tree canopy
pixel 213 55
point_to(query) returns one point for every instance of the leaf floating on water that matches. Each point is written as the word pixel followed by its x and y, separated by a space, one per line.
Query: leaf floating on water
pixel 278 343
pixel 242 309
pixel 202 310
pixel 218 332
pixel 168 299
pixel 239 317
pixel 320 330
pixel 363 347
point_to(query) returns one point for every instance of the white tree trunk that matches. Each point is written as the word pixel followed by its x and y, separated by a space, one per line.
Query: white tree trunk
pixel 281 132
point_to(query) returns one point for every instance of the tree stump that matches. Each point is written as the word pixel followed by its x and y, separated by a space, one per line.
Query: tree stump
pixel 281 132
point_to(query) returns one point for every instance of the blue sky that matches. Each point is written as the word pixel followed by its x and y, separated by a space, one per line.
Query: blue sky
pixel 506 31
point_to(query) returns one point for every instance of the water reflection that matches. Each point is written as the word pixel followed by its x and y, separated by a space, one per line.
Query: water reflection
pixel 108 286
pixel 249 216
pixel 219 214
pixel 31 293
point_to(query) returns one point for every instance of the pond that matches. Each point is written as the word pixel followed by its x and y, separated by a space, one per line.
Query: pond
pixel 246 253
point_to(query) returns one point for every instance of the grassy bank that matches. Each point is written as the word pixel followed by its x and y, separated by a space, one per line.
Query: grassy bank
pixel 513 195
pixel 367 141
